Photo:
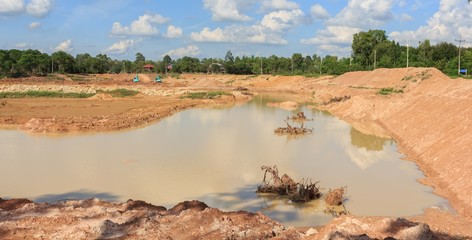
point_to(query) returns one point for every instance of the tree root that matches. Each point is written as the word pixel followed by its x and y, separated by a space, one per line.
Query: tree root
pixel 335 197
pixel 303 191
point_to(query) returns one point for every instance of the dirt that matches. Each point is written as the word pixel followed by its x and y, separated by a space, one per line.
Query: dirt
pixel 430 119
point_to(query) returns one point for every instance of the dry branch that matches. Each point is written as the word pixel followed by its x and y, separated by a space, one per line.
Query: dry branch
pixel 281 185
pixel 336 196
pixel 303 191
pixel 299 117
pixel 306 192
pixel 289 130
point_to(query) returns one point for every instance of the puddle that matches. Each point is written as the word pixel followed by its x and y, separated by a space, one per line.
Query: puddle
pixel 215 155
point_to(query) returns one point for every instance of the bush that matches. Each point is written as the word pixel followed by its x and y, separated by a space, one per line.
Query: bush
pixel 388 91
pixel 50 94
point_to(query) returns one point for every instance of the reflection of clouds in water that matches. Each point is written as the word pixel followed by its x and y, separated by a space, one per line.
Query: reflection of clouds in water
pixel 207 116
pixel 365 151
pixel 362 157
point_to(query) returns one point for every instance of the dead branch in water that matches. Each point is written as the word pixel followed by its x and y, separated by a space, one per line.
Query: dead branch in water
pixel 306 191
pixel 281 185
pixel 289 130
pixel 303 191
pixel 300 117
pixel 336 196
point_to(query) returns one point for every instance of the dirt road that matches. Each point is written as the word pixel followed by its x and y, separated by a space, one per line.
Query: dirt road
pixel 426 112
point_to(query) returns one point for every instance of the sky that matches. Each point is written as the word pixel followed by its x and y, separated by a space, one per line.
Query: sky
pixel 209 28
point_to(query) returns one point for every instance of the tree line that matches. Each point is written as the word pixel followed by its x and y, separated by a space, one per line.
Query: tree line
pixel 370 49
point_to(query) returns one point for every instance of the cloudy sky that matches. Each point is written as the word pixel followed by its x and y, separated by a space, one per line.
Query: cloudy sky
pixel 208 28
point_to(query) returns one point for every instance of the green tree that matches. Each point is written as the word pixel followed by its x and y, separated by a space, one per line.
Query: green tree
pixel 83 63
pixel 139 58
pixel 62 62
pixel 365 44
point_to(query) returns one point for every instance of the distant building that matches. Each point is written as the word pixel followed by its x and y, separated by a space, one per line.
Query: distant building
pixel 148 67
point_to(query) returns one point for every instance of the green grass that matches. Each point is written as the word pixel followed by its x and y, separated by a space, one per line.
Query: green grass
pixel 120 93
pixel 46 94
pixel 205 95
pixel 388 91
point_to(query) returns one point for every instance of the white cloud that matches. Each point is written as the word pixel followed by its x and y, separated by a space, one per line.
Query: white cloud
pixel 39 8
pixel 23 45
pixel 334 40
pixel 191 51
pixel 65 46
pixel 364 13
pixel 279 5
pixel 227 10
pixel 34 25
pixel 319 12
pixel 144 26
pixel 11 7
pixel 406 18
pixel 452 19
pixel 358 15
pixel 270 30
pixel 121 46
pixel 174 32
pixel 281 20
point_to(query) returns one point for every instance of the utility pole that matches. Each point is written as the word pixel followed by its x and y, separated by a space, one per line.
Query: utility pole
pixel 459 64
pixel 375 59
pixel 292 64
pixel 321 64
pixel 261 66
pixel 407 54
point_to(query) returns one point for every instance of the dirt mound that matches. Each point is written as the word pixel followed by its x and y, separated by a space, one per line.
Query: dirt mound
pixel 383 78
pixel 96 219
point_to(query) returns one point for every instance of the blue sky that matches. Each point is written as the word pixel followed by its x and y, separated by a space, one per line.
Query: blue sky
pixel 209 28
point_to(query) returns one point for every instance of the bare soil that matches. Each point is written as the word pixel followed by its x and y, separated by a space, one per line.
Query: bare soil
pixel 430 118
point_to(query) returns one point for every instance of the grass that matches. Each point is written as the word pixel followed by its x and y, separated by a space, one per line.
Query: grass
pixel 120 93
pixel 205 95
pixel 47 94
pixel 388 91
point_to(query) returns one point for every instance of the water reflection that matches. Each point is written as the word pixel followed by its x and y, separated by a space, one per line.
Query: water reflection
pixel 369 142
pixel 215 155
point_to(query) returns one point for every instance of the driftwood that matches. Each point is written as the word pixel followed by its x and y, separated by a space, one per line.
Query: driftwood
pixel 306 192
pixel 336 196
pixel 289 130
pixel 297 192
pixel 299 117
pixel 281 185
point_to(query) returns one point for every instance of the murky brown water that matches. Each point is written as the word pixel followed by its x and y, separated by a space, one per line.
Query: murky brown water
pixel 215 155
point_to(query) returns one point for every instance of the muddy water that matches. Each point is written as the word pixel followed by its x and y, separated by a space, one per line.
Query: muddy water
pixel 215 155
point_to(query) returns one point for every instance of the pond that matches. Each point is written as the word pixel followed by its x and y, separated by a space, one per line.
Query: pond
pixel 215 156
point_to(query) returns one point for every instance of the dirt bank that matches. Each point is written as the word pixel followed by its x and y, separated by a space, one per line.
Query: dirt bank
pixel 426 112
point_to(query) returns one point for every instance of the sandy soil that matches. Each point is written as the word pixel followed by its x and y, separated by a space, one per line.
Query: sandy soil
pixel 431 120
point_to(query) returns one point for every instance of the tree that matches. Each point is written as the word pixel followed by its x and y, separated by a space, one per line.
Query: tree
pixel 166 62
pixel 365 44
pixel 139 58
pixel 297 63
pixel 83 63
pixel 63 62
pixel 229 56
